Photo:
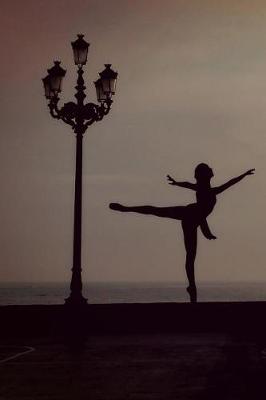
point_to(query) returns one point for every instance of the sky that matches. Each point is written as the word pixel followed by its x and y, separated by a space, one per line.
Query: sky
pixel 191 88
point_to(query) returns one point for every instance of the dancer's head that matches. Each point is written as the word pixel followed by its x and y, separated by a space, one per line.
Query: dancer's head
pixel 203 173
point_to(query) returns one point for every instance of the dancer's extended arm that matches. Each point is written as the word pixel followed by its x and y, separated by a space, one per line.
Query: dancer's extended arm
pixel 205 229
pixel 227 185
pixel 186 185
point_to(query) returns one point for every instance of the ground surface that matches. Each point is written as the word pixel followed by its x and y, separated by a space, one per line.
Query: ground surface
pixel 135 367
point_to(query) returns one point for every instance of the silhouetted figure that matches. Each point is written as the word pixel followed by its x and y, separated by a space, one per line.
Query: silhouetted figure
pixel 192 215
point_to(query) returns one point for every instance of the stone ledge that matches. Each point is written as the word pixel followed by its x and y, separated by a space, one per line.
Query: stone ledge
pixel 43 320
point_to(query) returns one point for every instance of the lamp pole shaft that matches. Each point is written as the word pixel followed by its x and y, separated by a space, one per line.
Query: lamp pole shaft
pixel 78 204
pixel 76 283
pixel 76 297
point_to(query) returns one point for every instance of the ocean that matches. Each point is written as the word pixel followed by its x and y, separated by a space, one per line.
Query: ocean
pixel 130 292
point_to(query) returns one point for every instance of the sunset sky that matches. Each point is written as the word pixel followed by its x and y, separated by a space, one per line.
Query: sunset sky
pixel 191 88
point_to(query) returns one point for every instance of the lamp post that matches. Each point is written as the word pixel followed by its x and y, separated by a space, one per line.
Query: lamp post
pixel 79 116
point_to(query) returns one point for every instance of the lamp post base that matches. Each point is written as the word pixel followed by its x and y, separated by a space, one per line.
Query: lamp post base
pixel 76 300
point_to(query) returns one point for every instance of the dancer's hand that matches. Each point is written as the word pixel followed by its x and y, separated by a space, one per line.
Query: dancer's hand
pixel 250 171
pixel 171 181
pixel 117 207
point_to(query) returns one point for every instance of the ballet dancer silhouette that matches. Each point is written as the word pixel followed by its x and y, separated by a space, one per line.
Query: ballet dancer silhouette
pixel 192 216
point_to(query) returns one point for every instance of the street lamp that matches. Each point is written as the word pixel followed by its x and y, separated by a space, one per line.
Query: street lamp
pixel 79 116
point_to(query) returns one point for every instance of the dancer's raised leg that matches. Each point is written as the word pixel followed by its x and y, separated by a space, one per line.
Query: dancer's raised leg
pixel 190 239
pixel 164 212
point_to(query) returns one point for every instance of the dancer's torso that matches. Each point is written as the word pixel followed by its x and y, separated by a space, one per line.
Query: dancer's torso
pixel 206 200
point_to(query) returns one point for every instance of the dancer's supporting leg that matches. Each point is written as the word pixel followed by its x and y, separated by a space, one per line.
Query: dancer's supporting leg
pixel 190 239
pixel 164 212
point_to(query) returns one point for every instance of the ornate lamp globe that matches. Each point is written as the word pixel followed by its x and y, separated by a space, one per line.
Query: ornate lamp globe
pixel 108 78
pixel 80 50
pixel 101 96
pixel 56 75
pixel 47 87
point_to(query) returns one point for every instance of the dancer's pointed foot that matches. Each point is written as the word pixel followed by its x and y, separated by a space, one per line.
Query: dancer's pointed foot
pixel 192 291
pixel 117 207
pixel 211 237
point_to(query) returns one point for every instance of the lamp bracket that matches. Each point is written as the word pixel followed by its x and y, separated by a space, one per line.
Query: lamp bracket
pixel 77 115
